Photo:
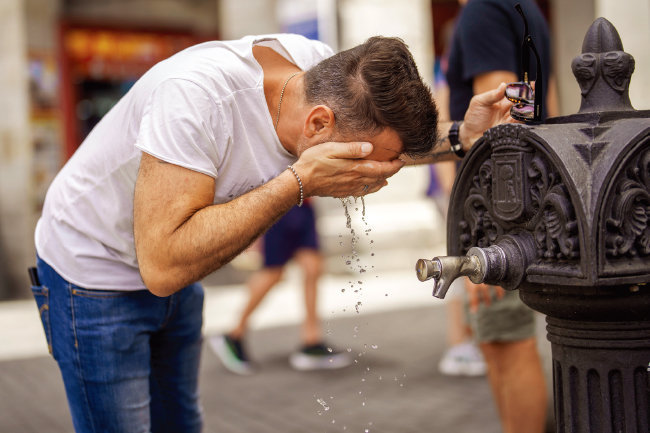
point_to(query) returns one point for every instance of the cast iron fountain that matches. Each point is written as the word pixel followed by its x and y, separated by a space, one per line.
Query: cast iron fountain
pixel 561 212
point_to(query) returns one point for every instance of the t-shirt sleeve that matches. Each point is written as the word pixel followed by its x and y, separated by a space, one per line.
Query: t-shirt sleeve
pixel 180 125
pixel 486 33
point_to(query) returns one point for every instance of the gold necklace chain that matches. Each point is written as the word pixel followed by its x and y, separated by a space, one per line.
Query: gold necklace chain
pixel 277 118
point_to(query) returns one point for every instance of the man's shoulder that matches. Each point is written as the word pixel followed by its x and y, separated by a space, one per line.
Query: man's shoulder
pixel 304 51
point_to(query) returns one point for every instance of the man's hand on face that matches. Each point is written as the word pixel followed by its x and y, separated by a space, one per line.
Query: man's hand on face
pixel 337 169
pixel 485 111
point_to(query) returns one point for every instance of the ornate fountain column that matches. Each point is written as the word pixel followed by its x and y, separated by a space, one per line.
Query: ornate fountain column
pixel 561 211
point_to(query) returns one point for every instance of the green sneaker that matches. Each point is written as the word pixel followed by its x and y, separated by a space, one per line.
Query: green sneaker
pixel 232 355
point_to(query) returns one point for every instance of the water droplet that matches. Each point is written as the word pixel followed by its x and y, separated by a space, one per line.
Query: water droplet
pixel 349 349
pixel 342 290
pixel 329 349
pixel 374 346
pixel 323 403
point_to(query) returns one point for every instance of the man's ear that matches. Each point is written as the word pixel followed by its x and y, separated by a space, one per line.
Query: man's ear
pixel 319 121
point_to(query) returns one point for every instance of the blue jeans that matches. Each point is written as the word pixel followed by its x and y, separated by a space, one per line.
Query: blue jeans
pixel 129 360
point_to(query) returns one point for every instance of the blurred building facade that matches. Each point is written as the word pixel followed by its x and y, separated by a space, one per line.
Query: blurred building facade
pixel 65 62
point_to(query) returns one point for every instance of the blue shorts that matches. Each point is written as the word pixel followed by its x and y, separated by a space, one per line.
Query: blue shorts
pixel 295 230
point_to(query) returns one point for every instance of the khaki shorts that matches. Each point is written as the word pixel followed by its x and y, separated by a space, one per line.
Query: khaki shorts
pixel 506 319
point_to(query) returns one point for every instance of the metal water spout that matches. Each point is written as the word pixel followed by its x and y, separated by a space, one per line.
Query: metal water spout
pixel 501 264
pixel 444 270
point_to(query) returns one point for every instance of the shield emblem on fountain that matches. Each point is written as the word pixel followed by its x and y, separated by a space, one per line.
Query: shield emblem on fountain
pixel 508 186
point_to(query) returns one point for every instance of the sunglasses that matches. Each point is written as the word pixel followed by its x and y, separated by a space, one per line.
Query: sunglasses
pixel 528 101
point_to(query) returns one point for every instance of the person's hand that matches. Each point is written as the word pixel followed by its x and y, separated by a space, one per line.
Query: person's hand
pixel 481 294
pixel 485 111
pixel 338 170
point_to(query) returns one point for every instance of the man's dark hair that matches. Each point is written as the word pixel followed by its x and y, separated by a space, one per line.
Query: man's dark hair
pixel 374 86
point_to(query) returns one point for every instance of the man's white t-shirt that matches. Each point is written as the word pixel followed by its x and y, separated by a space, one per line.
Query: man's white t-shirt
pixel 204 109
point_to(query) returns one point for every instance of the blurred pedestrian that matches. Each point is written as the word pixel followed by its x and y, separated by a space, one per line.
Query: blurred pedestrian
pixel 293 237
pixel 461 357
pixel 487 50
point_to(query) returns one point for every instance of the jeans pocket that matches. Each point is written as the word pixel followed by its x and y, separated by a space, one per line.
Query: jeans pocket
pixel 41 295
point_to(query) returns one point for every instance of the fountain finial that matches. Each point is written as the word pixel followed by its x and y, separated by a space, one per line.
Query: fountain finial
pixel 603 70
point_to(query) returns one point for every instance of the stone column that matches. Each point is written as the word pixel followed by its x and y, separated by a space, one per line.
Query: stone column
pixel 569 21
pixel 409 20
pixel 238 18
pixel 16 245
pixel 632 20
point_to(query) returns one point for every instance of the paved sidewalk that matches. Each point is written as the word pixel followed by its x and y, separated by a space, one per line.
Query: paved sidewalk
pixel 393 387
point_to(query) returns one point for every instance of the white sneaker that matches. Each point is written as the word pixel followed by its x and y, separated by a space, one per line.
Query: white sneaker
pixel 463 359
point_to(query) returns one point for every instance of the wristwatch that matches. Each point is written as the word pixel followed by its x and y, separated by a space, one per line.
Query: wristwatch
pixel 456 146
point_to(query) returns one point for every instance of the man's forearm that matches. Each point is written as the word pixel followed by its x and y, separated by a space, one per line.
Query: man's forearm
pixel 212 236
pixel 442 150
pixel 485 111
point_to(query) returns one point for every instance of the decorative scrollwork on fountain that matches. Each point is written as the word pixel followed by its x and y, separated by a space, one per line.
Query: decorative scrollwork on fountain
pixel 478 227
pixel 628 226
pixel 556 232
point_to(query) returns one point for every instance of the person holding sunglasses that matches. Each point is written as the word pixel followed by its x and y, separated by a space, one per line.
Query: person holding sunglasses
pixel 507 41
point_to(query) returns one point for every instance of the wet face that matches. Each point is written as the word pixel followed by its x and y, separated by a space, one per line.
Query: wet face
pixel 387 145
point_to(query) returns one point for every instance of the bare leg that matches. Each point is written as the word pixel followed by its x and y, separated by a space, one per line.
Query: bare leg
pixel 517 381
pixel 311 263
pixel 259 285
pixel 458 331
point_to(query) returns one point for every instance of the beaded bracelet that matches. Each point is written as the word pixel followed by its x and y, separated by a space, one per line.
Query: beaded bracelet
pixel 299 184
